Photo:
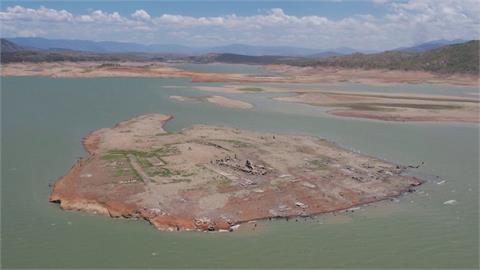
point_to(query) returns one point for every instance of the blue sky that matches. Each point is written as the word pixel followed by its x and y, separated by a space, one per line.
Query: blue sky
pixel 330 9
pixel 369 24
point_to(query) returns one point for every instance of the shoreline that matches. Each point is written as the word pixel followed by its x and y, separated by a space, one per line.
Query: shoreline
pixel 287 74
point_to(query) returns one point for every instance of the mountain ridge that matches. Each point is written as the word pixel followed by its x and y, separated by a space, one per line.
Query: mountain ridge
pixel 433 44
pixel 128 47
pixel 455 58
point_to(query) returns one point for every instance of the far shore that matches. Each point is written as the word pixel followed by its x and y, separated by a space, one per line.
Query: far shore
pixel 288 74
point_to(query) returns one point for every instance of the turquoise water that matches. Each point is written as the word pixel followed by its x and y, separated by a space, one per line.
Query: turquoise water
pixel 44 120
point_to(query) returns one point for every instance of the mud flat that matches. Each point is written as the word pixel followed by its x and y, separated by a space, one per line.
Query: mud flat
pixel 214 178
pixel 218 100
pixel 394 107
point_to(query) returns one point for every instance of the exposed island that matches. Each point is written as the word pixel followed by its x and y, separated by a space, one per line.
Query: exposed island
pixel 214 178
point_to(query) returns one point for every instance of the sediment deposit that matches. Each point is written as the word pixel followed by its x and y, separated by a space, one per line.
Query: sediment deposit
pixel 393 107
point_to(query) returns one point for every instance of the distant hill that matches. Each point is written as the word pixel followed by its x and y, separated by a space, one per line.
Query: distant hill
pixel 324 55
pixel 99 47
pixel 242 49
pixel 10 47
pixel 126 47
pixel 423 47
pixel 456 58
pixel 241 59
pixel 11 52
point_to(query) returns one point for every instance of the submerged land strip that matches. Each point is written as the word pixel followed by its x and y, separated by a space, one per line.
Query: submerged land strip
pixel 298 80
pixel 393 107
pixel 218 100
pixel 212 178
pixel 396 107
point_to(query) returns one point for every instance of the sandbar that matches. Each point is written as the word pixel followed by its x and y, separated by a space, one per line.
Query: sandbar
pixel 218 100
pixel 393 107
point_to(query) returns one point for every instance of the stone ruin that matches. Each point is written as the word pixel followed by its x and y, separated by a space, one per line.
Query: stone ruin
pixel 246 166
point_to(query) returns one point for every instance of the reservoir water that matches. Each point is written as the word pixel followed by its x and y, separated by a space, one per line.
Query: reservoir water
pixel 44 120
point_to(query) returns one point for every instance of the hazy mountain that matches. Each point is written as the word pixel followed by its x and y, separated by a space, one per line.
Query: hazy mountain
pixel 124 47
pixel 324 54
pixel 10 47
pixel 243 49
pixel 98 47
pixel 455 58
pixel 429 45
pixel 11 52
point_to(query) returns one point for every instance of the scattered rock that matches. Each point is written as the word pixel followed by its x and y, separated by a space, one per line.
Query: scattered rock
pixel 301 205
pixel 450 202
pixel 308 184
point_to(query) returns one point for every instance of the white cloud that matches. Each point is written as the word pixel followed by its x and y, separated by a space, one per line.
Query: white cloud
pixel 380 2
pixel 141 15
pixel 405 23
pixel 40 14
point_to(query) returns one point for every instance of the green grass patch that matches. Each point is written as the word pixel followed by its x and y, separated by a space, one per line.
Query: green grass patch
pixel 319 164
pixel 87 70
pixel 167 150
pixel 163 134
pixel 222 182
pixel 113 156
pixel 121 153
pixel 166 172
pixel 144 162
pixel 125 152
pixel 186 174
pixel 186 180
pixel 122 172
pixel 389 107
pixel 250 89
pixel 237 143
pixel 364 107
pixel 162 172
pixel 422 106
